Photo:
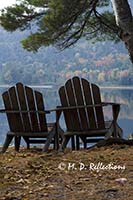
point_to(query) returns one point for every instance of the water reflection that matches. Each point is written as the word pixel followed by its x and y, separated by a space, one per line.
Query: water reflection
pixel 125 98
pixel 51 98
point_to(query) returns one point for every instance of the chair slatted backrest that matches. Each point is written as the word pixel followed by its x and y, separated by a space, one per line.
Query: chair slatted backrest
pixel 79 92
pixel 23 98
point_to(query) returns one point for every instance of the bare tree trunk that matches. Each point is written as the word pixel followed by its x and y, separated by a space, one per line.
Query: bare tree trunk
pixel 124 20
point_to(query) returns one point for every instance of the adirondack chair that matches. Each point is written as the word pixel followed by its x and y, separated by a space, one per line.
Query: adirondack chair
pixel 26 116
pixel 83 113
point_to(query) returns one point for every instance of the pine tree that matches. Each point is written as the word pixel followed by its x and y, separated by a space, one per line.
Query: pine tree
pixel 63 22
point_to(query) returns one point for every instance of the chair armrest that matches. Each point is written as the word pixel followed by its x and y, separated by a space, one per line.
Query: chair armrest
pixel 61 108
pixel 109 103
pixel 2 110
pixel 24 111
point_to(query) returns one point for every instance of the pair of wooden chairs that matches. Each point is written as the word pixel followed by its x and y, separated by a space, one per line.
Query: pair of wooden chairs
pixel 82 109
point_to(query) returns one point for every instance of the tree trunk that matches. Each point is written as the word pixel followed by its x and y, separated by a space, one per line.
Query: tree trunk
pixel 112 141
pixel 124 20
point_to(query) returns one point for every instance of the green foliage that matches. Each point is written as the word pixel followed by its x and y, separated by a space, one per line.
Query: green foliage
pixel 15 17
pixel 60 22
pixel 39 40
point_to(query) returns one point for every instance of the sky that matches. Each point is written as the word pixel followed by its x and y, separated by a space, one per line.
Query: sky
pixel 4 3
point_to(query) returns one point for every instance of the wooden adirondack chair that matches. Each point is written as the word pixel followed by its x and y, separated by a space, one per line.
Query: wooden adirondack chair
pixel 27 117
pixel 83 112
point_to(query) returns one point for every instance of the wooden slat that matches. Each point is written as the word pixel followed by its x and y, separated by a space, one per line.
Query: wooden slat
pixel 31 105
pixel 30 134
pixel 23 106
pixel 88 133
pixel 72 102
pixel 80 102
pixel 8 106
pixel 99 110
pixel 40 107
pixel 18 125
pixel 66 113
pixel 88 101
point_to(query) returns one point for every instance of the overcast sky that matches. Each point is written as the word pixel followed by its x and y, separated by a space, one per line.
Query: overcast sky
pixel 4 3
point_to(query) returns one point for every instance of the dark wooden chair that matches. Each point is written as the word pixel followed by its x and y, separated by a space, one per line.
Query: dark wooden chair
pixel 83 112
pixel 26 116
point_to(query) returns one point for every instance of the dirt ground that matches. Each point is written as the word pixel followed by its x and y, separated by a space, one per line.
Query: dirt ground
pixel 95 174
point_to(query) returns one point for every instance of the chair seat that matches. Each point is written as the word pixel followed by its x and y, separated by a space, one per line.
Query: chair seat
pixel 91 133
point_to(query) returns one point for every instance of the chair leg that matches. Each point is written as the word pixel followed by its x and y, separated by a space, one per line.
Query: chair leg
pixel 28 145
pixel 48 141
pixel 56 140
pixel 7 142
pixel 27 141
pixel 84 141
pixel 61 132
pixel 77 142
pixel 64 143
pixel 17 142
pixel 73 142
pixel 119 131
pixel 85 145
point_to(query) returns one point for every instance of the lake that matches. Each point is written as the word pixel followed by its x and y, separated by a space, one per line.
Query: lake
pixel 122 95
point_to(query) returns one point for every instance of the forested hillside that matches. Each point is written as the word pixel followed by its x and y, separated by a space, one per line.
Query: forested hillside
pixel 102 63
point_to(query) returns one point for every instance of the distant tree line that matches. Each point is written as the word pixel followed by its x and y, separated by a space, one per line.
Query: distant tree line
pixel 100 62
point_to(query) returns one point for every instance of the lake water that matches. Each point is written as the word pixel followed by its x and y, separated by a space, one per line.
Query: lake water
pixel 122 95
